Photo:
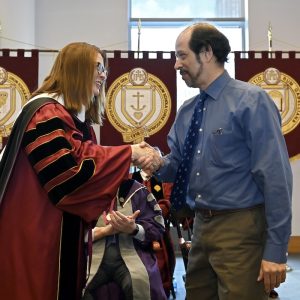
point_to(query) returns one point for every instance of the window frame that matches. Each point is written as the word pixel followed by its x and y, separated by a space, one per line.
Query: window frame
pixel 226 22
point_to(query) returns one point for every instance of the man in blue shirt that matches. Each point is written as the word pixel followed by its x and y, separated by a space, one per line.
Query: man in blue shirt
pixel 240 180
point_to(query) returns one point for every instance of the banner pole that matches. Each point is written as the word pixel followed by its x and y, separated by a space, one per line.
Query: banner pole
pixel 270 42
pixel 139 36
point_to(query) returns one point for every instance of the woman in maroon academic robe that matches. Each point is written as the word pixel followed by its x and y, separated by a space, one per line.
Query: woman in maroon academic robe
pixel 55 180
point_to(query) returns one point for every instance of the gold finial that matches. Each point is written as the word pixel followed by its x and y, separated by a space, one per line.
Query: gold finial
pixel 270 37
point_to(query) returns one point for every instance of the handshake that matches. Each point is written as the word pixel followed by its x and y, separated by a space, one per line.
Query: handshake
pixel 146 158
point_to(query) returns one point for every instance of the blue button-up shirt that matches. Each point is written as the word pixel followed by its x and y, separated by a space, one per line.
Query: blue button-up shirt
pixel 241 158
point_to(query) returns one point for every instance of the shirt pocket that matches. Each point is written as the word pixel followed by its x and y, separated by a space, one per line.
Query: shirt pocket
pixel 221 146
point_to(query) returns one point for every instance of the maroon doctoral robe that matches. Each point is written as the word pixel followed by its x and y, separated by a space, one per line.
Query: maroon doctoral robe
pixel 60 182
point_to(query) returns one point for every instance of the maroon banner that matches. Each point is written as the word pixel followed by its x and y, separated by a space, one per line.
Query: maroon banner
pixel 18 78
pixel 23 63
pixel 141 98
pixel 278 74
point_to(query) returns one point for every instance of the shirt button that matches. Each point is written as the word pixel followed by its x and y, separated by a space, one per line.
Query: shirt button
pixel 200 129
pixel 197 173
pixel 198 151
pixel 204 108
pixel 199 196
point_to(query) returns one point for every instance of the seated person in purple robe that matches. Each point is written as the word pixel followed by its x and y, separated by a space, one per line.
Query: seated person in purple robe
pixel 123 241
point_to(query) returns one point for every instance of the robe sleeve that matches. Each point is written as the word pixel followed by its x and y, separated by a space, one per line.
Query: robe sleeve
pixel 78 175
pixel 150 216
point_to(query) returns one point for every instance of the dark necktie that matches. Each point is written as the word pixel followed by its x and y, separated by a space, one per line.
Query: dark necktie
pixel 178 195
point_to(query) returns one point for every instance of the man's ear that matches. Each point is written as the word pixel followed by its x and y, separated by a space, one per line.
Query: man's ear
pixel 208 54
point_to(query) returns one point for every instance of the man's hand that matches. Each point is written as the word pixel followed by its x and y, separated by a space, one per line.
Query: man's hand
pixel 122 223
pixel 151 162
pixel 142 157
pixel 272 274
pixel 101 232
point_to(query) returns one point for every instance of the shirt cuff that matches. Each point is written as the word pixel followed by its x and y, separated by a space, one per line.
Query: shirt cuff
pixel 141 234
pixel 86 235
pixel 276 253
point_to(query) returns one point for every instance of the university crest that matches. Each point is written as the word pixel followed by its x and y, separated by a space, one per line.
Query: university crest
pixel 13 95
pixel 138 105
pixel 285 92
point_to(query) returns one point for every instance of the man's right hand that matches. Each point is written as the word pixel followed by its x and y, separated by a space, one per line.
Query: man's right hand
pixel 151 163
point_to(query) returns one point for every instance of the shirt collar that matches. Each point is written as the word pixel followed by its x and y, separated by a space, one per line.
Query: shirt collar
pixel 216 87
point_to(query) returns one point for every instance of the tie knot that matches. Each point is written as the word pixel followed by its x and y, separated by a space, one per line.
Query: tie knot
pixel 203 95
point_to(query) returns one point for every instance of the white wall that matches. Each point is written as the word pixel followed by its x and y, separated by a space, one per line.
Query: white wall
pixel 284 18
pixel 17 23
pixel 100 22
pixel 53 24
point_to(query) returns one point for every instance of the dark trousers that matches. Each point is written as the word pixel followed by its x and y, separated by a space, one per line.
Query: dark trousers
pixel 114 269
pixel 225 257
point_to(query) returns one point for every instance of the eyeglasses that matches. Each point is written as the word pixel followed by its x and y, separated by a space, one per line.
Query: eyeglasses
pixel 101 69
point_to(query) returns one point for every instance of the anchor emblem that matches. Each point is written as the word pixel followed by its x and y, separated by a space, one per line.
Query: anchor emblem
pixel 138 114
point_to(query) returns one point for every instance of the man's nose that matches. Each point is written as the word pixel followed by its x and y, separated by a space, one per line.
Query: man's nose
pixel 177 65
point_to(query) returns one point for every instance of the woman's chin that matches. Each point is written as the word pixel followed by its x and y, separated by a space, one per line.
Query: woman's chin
pixel 96 92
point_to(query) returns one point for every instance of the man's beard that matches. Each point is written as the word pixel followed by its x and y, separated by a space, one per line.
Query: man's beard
pixel 191 80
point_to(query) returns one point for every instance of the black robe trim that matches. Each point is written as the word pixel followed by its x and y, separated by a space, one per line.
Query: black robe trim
pixel 71 243
pixel 15 140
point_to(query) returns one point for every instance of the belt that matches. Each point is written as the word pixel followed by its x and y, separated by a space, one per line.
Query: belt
pixel 209 213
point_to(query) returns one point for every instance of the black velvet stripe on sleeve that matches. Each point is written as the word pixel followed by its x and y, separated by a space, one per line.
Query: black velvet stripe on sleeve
pixel 47 149
pixel 42 129
pixel 69 257
pixel 59 166
pixel 83 175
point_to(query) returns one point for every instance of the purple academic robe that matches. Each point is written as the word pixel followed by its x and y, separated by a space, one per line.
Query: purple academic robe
pixel 141 261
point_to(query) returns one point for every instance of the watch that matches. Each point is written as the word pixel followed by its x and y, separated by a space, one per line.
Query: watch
pixel 136 230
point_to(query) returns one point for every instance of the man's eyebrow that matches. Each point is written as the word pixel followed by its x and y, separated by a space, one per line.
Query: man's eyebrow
pixel 180 52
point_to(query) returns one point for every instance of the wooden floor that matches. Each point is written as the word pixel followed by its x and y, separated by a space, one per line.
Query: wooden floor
pixel 290 290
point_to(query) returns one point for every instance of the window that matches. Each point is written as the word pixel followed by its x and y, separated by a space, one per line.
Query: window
pixel 160 23
pixel 187 9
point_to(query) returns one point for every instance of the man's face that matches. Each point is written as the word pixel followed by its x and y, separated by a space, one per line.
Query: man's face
pixel 190 68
